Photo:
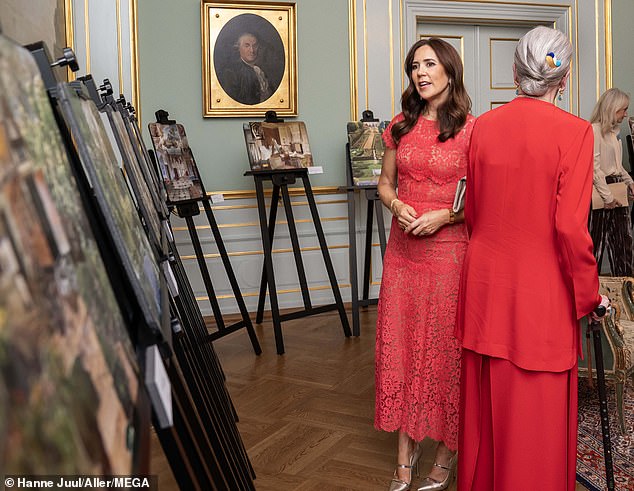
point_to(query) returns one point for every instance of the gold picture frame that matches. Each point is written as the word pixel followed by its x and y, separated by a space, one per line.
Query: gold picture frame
pixel 264 34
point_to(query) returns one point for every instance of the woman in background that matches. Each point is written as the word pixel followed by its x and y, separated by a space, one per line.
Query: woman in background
pixel 529 275
pixel 417 356
pixel 610 226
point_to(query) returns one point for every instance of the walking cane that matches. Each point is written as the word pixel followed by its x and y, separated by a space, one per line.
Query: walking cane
pixel 594 326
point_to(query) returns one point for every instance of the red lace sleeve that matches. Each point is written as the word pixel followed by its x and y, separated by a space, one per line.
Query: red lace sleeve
pixel 387 133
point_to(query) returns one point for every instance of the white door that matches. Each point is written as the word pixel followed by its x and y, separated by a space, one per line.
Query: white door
pixel 487 53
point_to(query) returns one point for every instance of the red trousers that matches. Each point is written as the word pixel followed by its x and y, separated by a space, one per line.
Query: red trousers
pixel 518 428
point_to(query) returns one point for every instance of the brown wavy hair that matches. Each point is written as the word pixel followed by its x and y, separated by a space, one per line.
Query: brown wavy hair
pixel 452 115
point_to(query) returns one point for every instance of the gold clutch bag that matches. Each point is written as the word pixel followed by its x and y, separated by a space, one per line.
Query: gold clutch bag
pixel 618 190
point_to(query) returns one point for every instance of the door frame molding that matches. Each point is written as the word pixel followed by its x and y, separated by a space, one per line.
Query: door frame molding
pixel 497 13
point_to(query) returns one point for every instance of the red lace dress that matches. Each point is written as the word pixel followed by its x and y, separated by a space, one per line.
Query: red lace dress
pixel 417 356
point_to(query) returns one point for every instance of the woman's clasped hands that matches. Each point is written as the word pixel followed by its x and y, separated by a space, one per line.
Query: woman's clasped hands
pixel 426 224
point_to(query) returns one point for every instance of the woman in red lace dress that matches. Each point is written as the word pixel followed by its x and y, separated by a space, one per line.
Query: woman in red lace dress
pixel 417 356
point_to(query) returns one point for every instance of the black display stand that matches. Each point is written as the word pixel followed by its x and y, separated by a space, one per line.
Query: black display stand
pixel 373 205
pixel 281 180
pixel 203 445
pixel 188 211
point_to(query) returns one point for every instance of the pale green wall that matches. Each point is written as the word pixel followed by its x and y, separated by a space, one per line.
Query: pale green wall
pixel 170 79
pixel 29 21
pixel 623 60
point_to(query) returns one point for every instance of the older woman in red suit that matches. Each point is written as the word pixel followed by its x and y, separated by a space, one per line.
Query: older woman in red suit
pixel 529 276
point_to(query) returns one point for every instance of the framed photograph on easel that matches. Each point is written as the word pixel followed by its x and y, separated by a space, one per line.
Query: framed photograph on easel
pixel 366 150
pixel 66 347
pixel 176 162
pixel 277 145
pixel 131 245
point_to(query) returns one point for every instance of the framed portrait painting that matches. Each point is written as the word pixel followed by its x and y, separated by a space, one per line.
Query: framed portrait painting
pixel 249 58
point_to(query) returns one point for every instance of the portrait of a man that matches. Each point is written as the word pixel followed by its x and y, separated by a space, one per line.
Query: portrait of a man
pixel 249 59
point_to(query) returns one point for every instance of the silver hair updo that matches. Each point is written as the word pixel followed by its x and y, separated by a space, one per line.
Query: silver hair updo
pixel 535 74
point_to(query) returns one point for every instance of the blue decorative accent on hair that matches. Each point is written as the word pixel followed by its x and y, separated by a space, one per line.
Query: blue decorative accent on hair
pixel 552 60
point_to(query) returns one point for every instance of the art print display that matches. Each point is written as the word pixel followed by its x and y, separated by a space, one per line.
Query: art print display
pixel 366 149
pixel 134 174
pixel 132 247
pixel 277 145
pixel 176 161
pixel 69 379
pixel 148 168
pixel 248 58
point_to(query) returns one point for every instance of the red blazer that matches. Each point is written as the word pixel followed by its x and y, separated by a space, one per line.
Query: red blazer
pixel 529 273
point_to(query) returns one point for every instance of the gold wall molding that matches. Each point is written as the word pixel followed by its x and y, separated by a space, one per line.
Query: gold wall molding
pixel 607 14
pixel 134 58
pixel 119 46
pixel 365 54
pixel 352 34
pixel 69 33
pixel 261 252
pixel 596 41
pixel 298 191
pixel 391 37
pixel 87 34
pixel 448 36
pixel 279 292
pixel 293 203
pixel 257 224
pixel 511 87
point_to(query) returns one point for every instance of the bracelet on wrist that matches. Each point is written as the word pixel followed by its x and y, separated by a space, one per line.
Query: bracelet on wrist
pixel 452 216
pixel 392 205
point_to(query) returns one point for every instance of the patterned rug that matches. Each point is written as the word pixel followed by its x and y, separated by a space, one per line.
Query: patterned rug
pixel 590 464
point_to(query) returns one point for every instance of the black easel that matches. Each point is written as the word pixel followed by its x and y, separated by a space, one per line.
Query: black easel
pixel 373 204
pixel 188 211
pixel 281 179
pixel 594 327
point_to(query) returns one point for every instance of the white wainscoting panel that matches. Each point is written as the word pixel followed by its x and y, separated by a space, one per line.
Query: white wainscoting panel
pixel 240 229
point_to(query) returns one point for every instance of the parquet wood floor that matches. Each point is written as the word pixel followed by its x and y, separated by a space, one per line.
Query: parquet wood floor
pixel 306 417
